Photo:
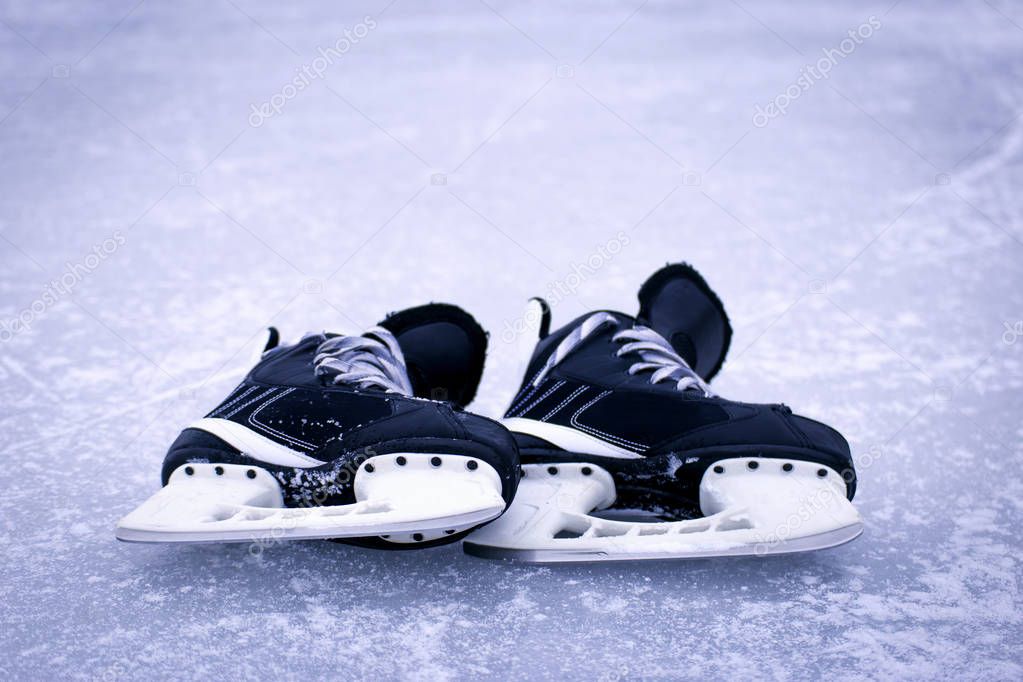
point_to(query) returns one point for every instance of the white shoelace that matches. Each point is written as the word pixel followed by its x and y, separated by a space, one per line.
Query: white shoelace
pixel 373 360
pixel 655 353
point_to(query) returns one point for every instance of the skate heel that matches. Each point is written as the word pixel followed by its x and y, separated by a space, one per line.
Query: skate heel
pixel 752 506
pixel 411 497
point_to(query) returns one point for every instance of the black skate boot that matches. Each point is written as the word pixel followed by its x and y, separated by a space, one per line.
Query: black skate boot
pixel 611 417
pixel 337 437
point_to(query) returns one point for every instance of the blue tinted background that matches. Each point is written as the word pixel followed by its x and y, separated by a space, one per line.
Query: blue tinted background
pixel 867 243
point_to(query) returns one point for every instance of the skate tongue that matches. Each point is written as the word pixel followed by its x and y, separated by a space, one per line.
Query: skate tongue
pixel 678 304
pixel 444 348
pixel 273 339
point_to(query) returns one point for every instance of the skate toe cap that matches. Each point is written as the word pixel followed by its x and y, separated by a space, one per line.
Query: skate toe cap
pixel 820 436
pixel 825 439
pixel 489 433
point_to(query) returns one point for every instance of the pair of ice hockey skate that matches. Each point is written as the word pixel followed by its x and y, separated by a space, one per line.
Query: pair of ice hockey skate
pixel 614 447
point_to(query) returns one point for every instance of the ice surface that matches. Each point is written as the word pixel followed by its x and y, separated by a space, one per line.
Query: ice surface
pixel 867 244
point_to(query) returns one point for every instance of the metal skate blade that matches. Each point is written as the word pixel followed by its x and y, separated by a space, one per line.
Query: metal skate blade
pixel 812 543
pixel 752 507
pixel 405 495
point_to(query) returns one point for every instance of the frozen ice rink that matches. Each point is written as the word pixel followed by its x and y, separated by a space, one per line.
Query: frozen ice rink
pixel 862 221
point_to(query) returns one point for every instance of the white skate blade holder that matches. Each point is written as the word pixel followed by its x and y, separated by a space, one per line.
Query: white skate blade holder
pixel 408 497
pixel 752 506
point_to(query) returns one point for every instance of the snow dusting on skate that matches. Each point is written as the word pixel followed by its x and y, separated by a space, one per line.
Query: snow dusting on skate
pixel 867 242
